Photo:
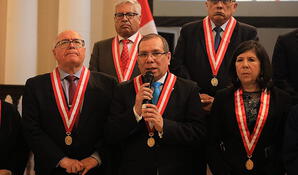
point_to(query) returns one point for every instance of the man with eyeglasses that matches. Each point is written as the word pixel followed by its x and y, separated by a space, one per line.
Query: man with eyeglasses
pixel 159 125
pixel 204 49
pixel 64 112
pixel 117 56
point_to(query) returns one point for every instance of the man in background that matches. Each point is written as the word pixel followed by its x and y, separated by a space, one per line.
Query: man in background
pixel 204 49
pixel 117 56
pixel 285 63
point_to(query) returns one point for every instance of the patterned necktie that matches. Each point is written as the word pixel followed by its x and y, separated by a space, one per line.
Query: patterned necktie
pixel 71 88
pixel 156 92
pixel 217 39
pixel 124 55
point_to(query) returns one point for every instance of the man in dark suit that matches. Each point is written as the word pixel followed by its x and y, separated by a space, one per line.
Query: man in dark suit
pixel 13 149
pixel 291 142
pixel 204 49
pixel 285 63
pixel 64 112
pixel 117 56
pixel 162 137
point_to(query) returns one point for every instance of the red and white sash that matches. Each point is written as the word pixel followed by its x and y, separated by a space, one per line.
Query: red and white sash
pixel 124 76
pixel 250 140
pixel 69 116
pixel 215 59
pixel 165 93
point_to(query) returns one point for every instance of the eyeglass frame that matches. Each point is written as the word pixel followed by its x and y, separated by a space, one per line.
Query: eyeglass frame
pixel 146 55
pixel 128 15
pixel 69 41
pixel 223 1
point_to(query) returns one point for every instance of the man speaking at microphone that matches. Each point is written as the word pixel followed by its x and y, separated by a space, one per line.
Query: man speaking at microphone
pixel 159 138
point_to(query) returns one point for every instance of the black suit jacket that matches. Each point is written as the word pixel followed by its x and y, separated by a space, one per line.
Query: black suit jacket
pixel 44 129
pixel 102 59
pixel 183 131
pixel 190 59
pixel 226 152
pixel 285 63
pixel 291 143
pixel 13 149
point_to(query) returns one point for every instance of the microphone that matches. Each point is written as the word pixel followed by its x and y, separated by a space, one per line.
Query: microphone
pixel 148 78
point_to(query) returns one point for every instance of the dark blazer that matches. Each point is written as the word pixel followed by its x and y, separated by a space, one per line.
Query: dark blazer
pixel 190 59
pixel 102 59
pixel 291 143
pixel 44 129
pixel 285 63
pixel 183 131
pixel 13 149
pixel 226 152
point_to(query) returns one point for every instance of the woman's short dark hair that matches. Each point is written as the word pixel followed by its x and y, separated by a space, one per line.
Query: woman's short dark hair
pixel 264 79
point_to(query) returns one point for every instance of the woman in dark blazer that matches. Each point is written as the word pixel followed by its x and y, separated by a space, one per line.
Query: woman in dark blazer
pixel 247 119
pixel 13 150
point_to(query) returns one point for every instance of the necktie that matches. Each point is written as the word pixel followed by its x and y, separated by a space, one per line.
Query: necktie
pixel 71 88
pixel 217 39
pixel 124 55
pixel 156 92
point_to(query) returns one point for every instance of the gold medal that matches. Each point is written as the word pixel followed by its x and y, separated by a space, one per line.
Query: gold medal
pixel 214 81
pixel 150 142
pixel 249 164
pixel 68 140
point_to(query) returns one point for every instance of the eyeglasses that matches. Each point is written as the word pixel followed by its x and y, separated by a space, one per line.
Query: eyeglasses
pixel 154 55
pixel 128 15
pixel 223 1
pixel 77 43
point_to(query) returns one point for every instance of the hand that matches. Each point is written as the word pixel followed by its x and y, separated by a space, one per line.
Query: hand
pixel 71 165
pixel 5 172
pixel 207 102
pixel 88 164
pixel 151 114
pixel 144 93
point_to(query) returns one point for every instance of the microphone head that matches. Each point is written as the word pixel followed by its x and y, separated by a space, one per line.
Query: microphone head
pixel 148 77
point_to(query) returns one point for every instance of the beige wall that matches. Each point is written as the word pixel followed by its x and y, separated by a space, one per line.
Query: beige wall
pixel 102 27
pixel 3 5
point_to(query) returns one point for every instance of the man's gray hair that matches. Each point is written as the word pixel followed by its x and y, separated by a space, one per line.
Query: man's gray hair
pixel 135 3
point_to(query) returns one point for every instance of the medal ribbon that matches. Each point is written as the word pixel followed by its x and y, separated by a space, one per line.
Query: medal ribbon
pixel 124 76
pixel 216 58
pixel 164 96
pixel 69 115
pixel 250 140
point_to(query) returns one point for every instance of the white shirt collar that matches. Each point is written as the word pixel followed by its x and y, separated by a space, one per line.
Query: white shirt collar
pixel 223 27
pixel 131 38
pixel 64 74
pixel 163 78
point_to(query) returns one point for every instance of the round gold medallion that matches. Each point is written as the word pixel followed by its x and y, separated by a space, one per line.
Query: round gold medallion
pixel 249 164
pixel 68 140
pixel 150 142
pixel 214 81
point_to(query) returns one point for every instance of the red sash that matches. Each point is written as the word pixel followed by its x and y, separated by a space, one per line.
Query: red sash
pixel 250 140
pixel 215 59
pixel 165 93
pixel 69 116
pixel 124 76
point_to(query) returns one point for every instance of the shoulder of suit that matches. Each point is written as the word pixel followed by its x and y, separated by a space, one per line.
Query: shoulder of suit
pixel 246 26
pixel 102 75
pixel 290 35
pixel 41 77
pixel 105 41
pixel 193 24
